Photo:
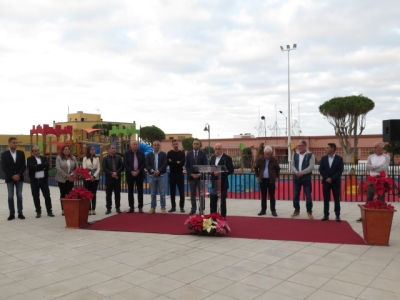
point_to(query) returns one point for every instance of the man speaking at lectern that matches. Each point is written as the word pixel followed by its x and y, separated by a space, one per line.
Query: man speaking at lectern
pixel 220 159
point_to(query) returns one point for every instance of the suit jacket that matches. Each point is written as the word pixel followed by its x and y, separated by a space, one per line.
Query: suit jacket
pixel 62 168
pixel 273 168
pixel 190 163
pixel 128 162
pixel 94 166
pixel 34 167
pixel 162 162
pixel 226 161
pixel 334 172
pixel 107 166
pixel 12 168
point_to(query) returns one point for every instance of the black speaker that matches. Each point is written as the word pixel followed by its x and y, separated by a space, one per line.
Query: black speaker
pixel 391 130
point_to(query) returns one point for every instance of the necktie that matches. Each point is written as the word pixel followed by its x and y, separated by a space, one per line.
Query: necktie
pixel 135 162
pixel 195 157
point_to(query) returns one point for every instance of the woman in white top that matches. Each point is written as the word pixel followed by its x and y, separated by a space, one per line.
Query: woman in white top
pixel 65 164
pixel 91 162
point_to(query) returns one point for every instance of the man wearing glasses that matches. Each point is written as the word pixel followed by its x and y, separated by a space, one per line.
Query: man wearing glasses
pixel 302 166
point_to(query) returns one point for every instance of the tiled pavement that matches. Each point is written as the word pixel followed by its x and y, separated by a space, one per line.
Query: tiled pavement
pixel 41 259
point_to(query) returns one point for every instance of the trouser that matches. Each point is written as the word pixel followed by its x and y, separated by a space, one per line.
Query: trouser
pixel 113 185
pixel 139 186
pixel 65 188
pixel 17 185
pixel 214 198
pixel 267 187
pixel 335 188
pixel 194 187
pixel 157 183
pixel 176 180
pixel 306 184
pixel 92 186
pixel 37 185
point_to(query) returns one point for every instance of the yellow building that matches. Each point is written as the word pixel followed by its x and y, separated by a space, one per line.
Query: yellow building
pixel 177 136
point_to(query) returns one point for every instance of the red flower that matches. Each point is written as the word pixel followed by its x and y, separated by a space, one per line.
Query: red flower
pixel 376 204
pixel 79 193
pixel 378 184
pixel 82 173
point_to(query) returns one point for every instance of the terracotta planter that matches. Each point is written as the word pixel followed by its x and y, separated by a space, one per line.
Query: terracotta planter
pixel 377 224
pixel 76 212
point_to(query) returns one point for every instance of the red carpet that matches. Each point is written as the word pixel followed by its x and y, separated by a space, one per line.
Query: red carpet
pixel 285 229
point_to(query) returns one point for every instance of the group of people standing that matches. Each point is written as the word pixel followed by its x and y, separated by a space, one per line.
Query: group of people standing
pixel 303 161
pixel 135 162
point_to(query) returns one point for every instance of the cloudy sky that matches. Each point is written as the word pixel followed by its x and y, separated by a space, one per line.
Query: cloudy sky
pixel 180 64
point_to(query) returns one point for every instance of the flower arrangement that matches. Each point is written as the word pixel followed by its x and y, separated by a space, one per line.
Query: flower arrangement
pixel 377 204
pixel 79 193
pixel 212 224
pixel 82 173
pixel 378 185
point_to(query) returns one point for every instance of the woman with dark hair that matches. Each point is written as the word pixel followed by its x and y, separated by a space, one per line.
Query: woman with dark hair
pixel 65 164
pixel 91 162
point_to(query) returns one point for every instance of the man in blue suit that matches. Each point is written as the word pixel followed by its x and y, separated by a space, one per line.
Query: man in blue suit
pixel 331 169
pixel 195 157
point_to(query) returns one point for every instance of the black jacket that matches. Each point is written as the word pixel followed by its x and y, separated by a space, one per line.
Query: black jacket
pixel 11 168
pixel 34 167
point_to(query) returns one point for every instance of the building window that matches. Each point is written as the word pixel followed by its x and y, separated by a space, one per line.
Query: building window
pixel 27 148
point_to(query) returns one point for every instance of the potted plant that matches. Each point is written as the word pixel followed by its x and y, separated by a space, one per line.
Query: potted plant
pixel 76 202
pixel 377 215
pixel 212 224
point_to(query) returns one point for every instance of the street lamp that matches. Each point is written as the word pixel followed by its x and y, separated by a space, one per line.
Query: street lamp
pixel 207 128
pixel 286 121
pixel 265 129
pixel 288 49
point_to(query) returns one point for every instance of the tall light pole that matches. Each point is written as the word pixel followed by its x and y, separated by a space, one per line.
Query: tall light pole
pixel 288 49
pixel 207 128
pixel 265 129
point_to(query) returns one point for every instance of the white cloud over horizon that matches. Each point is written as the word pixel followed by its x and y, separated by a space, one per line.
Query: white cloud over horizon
pixel 181 64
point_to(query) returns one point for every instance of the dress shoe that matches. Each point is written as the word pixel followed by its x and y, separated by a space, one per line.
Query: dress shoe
pixel 152 211
pixel 11 217
pixel 108 211
pixel 131 210
pixel 261 213
pixel 118 210
pixel 295 214
pixel 21 216
pixel 90 212
pixel 182 210
pixel 140 210
pixel 274 214
pixel 172 209
pixel 50 214
pixel 93 212
pixel 359 220
pixel 338 219
pixel 310 216
pixel 325 218
pixel 38 215
pixel 62 212
pixel 163 211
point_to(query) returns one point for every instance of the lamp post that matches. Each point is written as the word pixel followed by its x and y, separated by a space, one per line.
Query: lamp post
pixel 288 49
pixel 207 128
pixel 265 129
pixel 286 121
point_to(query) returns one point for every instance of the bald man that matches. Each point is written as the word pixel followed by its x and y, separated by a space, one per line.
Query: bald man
pixel 220 159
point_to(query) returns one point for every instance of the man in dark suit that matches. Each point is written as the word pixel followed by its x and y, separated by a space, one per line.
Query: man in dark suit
pixel 195 157
pixel 39 173
pixel 267 171
pixel 134 163
pixel 331 169
pixel 176 161
pixel 113 167
pixel 220 159
pixel 13 164
pixel 156 166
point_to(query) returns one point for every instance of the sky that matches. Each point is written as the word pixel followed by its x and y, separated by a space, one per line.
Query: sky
pixel 181 64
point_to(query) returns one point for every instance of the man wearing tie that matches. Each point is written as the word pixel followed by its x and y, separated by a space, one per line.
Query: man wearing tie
pixel 39 173
pixel 156 165
pixel 195 157
pixel 13 165
pixel 331 169
pixel 113 167
pixel 220 159
pixel 134 163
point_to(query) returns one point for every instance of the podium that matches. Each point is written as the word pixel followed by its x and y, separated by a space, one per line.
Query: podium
pixel 214 186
